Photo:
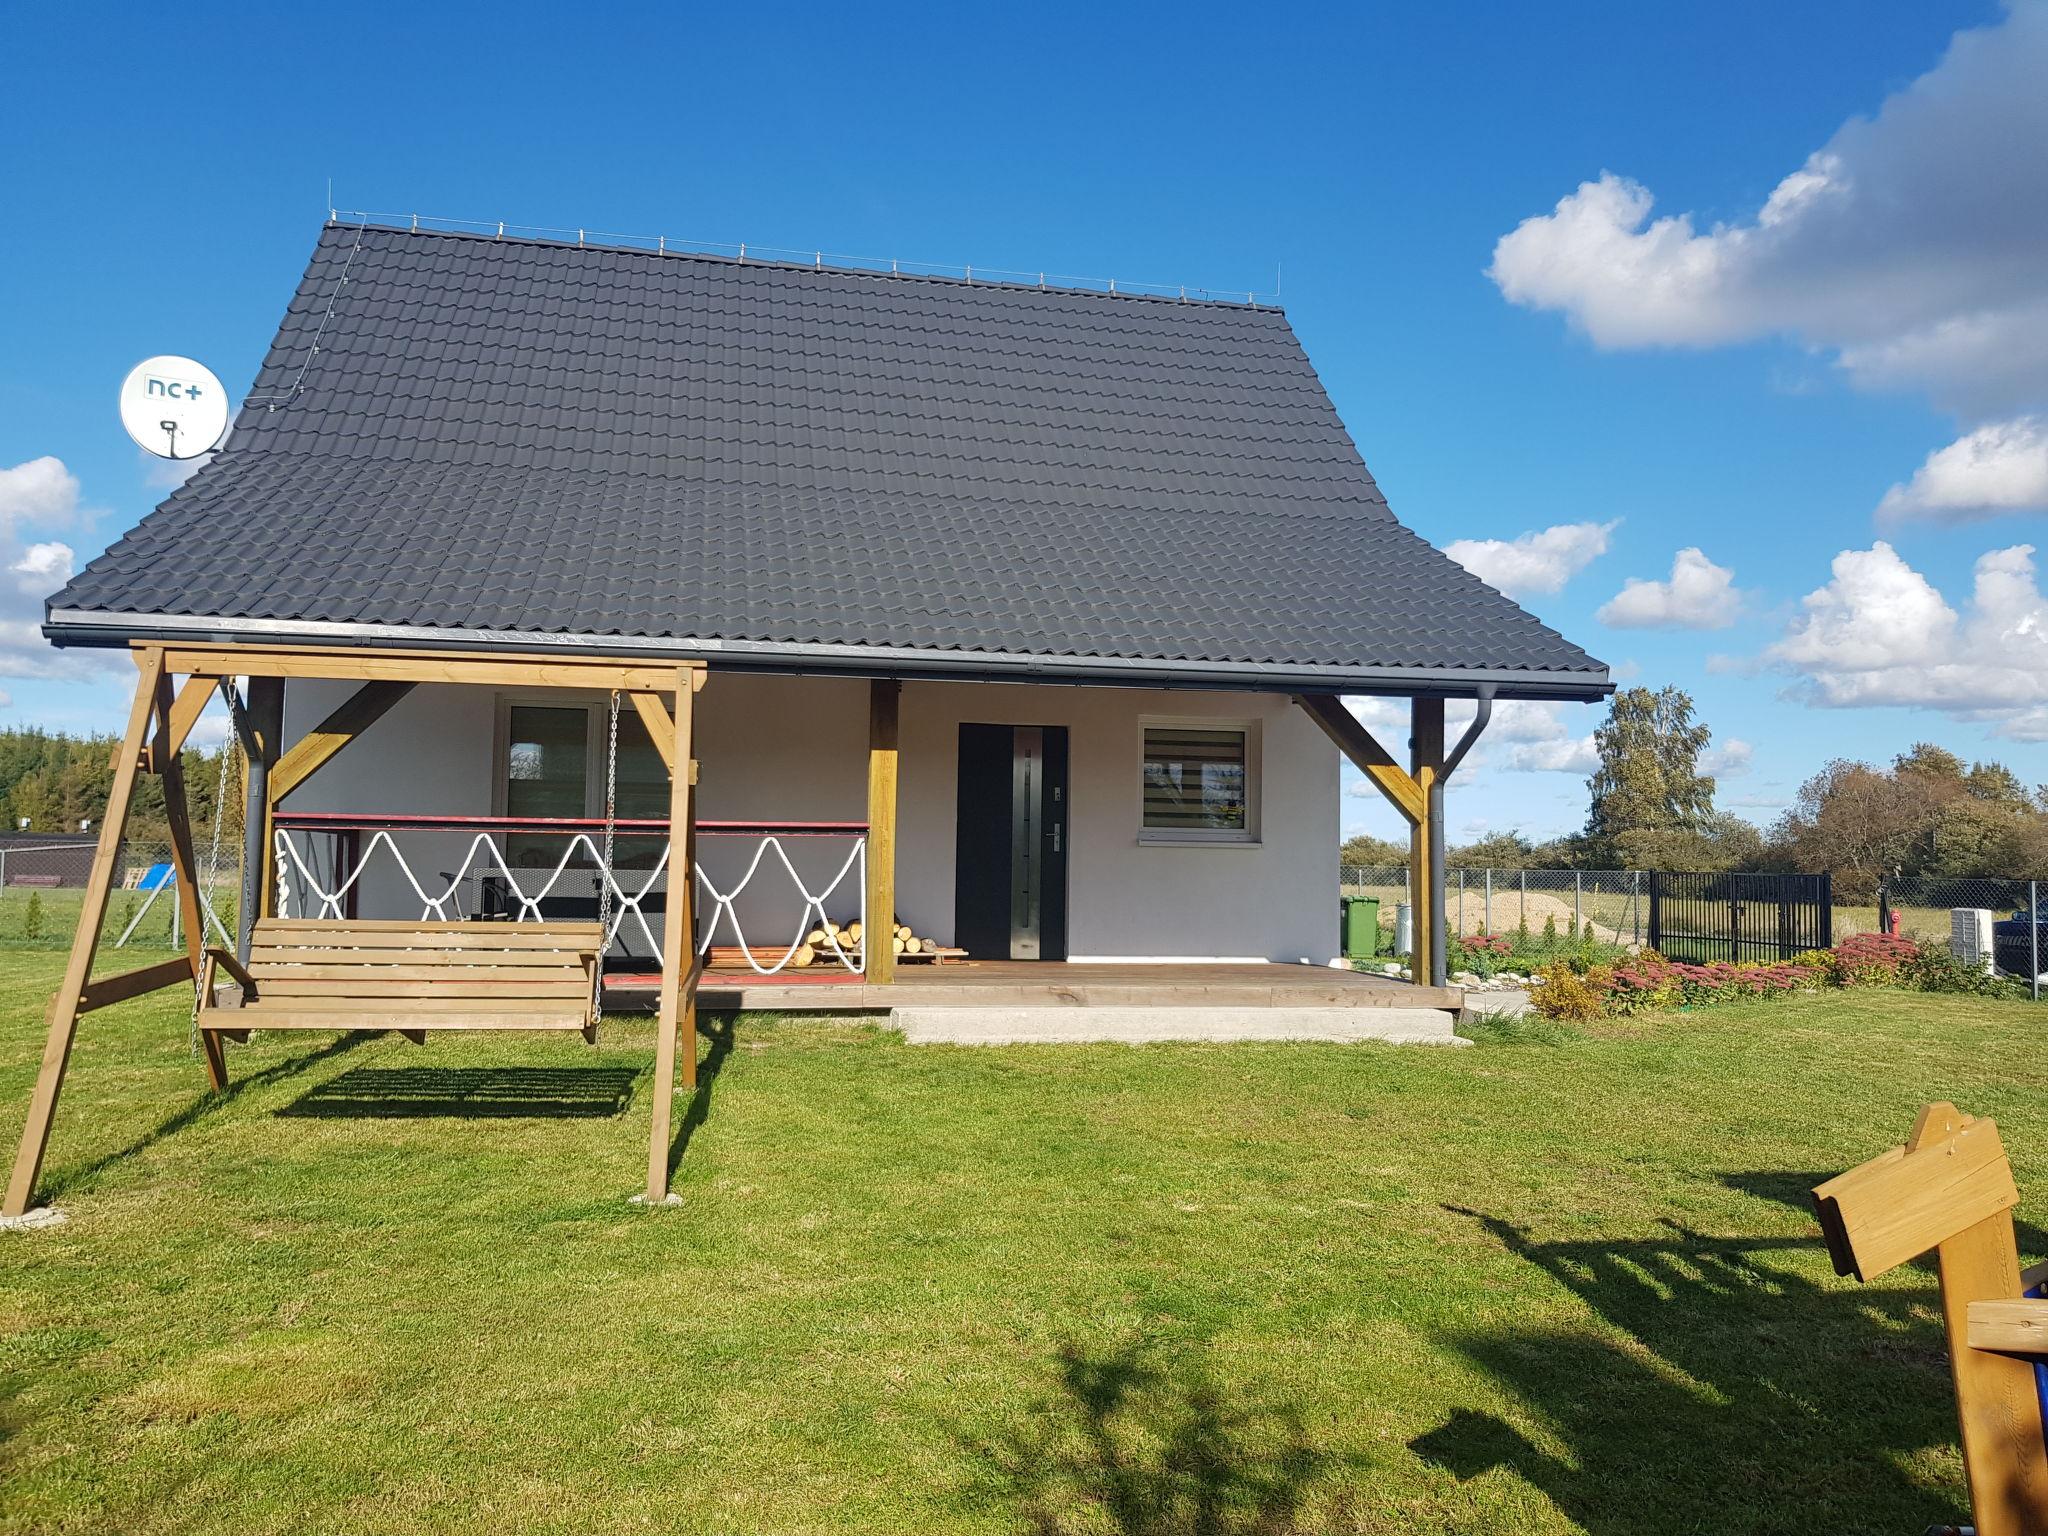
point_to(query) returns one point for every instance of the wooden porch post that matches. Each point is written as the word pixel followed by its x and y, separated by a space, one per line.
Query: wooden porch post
pixel 1426 843
pixel 678 1010
pixel 884 701
pixel 64 1007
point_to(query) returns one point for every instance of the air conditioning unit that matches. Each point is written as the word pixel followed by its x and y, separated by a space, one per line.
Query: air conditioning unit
pixel 1969 936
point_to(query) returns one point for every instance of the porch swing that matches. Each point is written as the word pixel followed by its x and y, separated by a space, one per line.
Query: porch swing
pixel 331 973
pixel 344 974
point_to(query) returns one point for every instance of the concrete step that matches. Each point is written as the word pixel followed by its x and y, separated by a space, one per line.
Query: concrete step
pixel 983 1025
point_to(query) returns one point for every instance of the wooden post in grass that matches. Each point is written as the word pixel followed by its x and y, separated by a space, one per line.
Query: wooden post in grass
pixel 85 942
pixel 677 1013
pixel 1951 1189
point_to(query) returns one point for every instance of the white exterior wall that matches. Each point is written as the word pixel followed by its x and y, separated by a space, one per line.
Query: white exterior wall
pixel 795 749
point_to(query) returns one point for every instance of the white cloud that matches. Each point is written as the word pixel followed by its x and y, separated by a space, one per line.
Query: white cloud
pixel 38 491
pixel 2002 467
pixel 1699 595
pixel 35 495
pixel 1577 754
pixel 43 568
pixel 2028 725
pixel 1537 562
pixel 1911 244
pixel 1729 759
pixel 1879 633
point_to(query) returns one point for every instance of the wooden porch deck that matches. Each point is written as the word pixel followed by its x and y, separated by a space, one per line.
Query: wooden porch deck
pixel 1053 983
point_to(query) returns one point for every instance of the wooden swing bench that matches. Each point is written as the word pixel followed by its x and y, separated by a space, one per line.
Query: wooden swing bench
pixel 408 977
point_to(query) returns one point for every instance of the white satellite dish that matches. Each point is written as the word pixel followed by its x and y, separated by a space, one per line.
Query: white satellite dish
pixel 174 407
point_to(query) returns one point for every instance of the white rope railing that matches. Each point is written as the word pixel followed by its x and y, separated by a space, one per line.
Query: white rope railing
pixel 722 909
pixel 484 859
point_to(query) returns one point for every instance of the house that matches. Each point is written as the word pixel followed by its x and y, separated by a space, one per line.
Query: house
pixel 1014 613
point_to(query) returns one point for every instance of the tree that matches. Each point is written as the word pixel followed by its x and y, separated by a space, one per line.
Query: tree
pixel 1368 852
pixel 1497 850
pixel 1997 784
pixel 1927 815
pixel 1648 780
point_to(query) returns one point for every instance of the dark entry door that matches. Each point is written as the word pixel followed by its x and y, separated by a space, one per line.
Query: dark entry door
pixel 1010 859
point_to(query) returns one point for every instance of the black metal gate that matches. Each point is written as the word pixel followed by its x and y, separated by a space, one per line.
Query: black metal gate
pixel 1699 918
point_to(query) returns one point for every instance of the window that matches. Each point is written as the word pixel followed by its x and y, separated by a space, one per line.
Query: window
pixel 1199 782
pixel 553 765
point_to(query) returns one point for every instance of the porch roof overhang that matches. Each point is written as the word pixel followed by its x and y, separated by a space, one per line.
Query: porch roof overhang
pixel 88 627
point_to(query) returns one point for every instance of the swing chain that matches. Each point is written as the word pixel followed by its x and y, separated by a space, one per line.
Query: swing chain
pixel 207 880
pixel 604 870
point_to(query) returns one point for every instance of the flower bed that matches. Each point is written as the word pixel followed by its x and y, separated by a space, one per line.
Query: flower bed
pixel 1648 982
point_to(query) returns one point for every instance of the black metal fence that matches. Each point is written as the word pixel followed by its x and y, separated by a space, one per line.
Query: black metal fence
pixel 1726 916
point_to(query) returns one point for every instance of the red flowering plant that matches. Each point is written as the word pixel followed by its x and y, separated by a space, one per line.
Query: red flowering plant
pixel 1870 959
pixel 1648 982
pixel 1479 953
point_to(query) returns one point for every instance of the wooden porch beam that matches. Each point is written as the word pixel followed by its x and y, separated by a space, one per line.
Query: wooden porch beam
pixel 885 697
pixel 1366 754
pixel 102 991
pixel 354 715
pixel 42 1106
pixel 502 669
pixel 186 709
pixel 660 726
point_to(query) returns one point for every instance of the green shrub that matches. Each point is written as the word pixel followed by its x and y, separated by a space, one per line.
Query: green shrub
pixel 1933 969
pixel 32 919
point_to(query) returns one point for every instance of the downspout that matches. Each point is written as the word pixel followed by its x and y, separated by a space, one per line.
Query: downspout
pixel 260 726
pixel 1439 948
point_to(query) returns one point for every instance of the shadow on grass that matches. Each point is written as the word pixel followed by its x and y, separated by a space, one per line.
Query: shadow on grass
pixel 1728 1391
pixel 468 1093
pixel 720 1033
pixel 1145 1443
pixel 1796 1190
pixel 206 1104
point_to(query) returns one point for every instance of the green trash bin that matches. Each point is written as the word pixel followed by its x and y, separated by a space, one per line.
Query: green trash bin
pixel 1359 928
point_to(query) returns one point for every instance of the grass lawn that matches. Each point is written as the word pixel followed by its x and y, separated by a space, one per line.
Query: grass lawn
pixel 1557 1282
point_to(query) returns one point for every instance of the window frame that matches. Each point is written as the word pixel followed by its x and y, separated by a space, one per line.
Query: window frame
pixel 1251 834
pixel 595 719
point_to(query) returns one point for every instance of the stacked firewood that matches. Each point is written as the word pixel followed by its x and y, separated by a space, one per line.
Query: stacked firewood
pixel 903 939
pixel 819 946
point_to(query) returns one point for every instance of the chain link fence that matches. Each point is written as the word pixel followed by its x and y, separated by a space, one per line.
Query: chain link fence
pixel 42 889
pixel 1922 907
pixel 1609 906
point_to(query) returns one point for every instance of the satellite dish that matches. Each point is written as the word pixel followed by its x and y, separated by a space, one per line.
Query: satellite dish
pixel 174 407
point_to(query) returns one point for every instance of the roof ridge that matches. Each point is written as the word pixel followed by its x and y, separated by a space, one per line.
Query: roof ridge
pixel 1194 295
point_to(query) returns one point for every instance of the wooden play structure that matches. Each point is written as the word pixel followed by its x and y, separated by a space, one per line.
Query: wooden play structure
pixel 404 977
pixel 1950 1189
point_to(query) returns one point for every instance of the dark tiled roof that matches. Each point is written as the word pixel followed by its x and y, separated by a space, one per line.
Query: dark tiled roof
pixel 457 433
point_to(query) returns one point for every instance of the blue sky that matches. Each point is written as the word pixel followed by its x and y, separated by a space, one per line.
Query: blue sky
pixel 1753 385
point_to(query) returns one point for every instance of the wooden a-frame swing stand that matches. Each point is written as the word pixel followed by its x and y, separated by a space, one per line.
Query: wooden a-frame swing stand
pixel 170 694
